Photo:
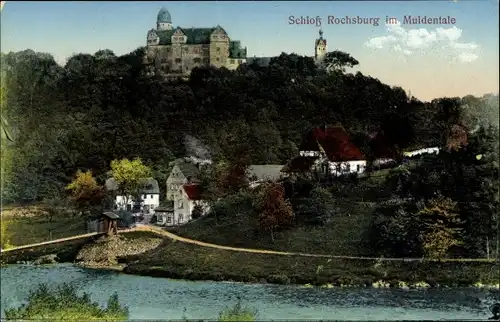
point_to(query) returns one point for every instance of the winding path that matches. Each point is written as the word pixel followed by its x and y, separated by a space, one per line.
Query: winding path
pixel 273 252
pixel 175 237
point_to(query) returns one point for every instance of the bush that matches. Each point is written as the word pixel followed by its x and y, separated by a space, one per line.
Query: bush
pixel 63 302
pixel 242 202
pixel 238 313
pixel 316 208
pixel 197 212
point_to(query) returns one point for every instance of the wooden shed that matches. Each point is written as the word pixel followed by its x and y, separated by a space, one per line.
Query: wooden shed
pixel 110 222
pixel 106 222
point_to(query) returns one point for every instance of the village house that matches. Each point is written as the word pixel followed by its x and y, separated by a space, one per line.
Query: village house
pixel 328 151
pixel 145 201
pixel 259 173
pixel 184 171
pixel 188 198
pixel 165 214
pixel 183 192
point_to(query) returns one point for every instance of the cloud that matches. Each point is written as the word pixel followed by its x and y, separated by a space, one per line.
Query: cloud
pixel 467 57
pixel 409 41
pixel 400 49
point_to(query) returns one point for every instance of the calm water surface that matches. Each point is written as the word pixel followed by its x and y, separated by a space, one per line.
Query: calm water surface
pixel 159 298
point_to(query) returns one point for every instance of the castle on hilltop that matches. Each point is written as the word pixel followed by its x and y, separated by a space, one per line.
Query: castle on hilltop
pixel 178 50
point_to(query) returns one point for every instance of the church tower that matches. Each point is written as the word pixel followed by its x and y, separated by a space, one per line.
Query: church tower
pixel 320 47
pixel 163 20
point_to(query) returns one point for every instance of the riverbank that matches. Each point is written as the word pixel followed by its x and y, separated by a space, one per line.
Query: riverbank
pixel 192 262
pixel 64 252
pixel 159 299
pixel 147 253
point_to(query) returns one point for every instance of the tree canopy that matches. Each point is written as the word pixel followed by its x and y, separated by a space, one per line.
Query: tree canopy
pixel 101 107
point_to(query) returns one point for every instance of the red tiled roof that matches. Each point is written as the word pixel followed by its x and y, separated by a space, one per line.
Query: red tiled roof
pixel 193 191
pixel 335 143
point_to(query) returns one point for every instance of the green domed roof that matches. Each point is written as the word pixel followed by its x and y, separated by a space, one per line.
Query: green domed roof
pixel 164 16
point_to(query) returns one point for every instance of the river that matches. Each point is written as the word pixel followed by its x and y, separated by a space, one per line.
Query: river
pixel 161 298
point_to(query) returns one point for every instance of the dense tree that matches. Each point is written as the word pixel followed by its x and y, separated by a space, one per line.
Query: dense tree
pixel 129 176
pixel 275 211
pixel 442 227
pixel 316 208
pixel 86 193
pixel 338 61
pixel 102 107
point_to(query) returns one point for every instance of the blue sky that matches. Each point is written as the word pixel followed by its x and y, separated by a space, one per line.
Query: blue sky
pixel 430 61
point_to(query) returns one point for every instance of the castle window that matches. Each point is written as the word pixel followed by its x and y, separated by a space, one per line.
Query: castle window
pixel 232 61
pixel 217 58
pixel 178 60
pixel 197 60
pixel 218 48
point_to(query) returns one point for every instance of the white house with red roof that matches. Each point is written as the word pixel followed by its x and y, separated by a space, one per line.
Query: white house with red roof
pixel 187 198
pixel 330 151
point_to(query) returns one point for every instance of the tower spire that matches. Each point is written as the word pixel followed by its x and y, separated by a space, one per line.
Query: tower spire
pixel 320 33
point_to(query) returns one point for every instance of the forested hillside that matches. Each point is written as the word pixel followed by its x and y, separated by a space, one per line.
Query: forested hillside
pixel 99 107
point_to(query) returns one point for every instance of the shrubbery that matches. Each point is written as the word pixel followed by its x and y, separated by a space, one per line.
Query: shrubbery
pixel 238 313
pixel 64 303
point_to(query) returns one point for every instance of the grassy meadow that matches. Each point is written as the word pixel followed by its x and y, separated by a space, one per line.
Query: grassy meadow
pixel 35 224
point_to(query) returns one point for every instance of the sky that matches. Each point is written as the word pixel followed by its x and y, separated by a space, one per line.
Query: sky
pixel 427 60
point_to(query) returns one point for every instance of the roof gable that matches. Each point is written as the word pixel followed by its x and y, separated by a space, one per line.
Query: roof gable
pixel 321 42
pixel 218 31
pixel 178 32
pixel 189 170
pixel 333 142
pixel 176 173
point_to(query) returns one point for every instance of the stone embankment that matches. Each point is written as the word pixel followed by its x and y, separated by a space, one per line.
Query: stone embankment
pixel 106 251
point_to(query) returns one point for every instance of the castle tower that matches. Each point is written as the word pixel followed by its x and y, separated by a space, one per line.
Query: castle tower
pixel 164 20
pixel 320 47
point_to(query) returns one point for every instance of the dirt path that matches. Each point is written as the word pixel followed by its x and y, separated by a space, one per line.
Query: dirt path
pixel 172 236
pixel 264 251
pixel 50 242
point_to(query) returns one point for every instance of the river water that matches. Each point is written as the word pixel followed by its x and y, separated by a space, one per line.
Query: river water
pixel 161 298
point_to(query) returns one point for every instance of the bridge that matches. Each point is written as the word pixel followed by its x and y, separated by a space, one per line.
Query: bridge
pixel 167 234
